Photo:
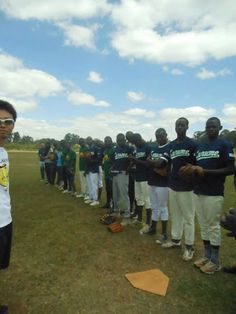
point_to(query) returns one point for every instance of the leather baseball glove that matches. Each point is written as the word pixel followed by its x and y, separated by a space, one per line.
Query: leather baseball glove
pixel 189 169
pixel 115 227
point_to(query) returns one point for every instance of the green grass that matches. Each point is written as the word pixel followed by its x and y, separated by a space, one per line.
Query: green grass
pixel 65 261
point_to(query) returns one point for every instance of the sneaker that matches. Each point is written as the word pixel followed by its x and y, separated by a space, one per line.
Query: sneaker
pixel 188 254
pixel 88 201
pixel 94 203
pixel 65 191
pixel 144 230
pixel 210 268
pixel 150 231
pixel 125 221
pixel 201 262
pixel 171 244
pixel 136 222
pixel 80 195
pixel 86 198
pixel 116 214
pixel 162 239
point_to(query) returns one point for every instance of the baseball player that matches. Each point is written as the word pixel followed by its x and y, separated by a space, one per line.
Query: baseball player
pixel 182 151
pixel 214 161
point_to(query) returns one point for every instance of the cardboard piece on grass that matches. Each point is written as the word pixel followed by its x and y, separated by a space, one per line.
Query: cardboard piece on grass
pixel 154 281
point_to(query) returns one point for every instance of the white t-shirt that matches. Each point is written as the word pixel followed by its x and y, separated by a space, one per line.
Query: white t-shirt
pixel 5 202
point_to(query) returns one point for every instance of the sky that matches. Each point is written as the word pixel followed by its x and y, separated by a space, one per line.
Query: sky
pixel 99 67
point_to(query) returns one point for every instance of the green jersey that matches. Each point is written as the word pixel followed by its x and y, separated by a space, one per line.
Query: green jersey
pixel 106 162
pixel 82 159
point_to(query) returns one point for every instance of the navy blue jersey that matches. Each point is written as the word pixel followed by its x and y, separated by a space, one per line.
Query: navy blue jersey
pixel 93 162
pixel 156 152
pixel 181 153
pixel 213 155
pixel 120 159
pixel 141 172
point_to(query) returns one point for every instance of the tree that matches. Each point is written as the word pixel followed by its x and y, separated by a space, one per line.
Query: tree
pixel 16 138
pixel 27 139
pixel 71 138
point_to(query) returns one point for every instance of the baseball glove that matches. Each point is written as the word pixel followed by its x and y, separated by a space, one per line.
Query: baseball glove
pixel 161 171
pixel 228 222
pixel 107 219
pixel 189 169
pixel 115 227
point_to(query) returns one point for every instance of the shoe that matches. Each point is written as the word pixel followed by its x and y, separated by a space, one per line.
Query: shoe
pixel 80 195
pixel 136 222
pixel 171 244
pixel 201 262
pixel 3 309
pixel 145 229
pixel 210 268
pixel 86 198
pixel 188 254
pixel 94 203
pixel 230 270
pixel 133 216
pixel 88 201
pixel 150 231
pixel 162 239
pixel 65 191
pixel 116 214
pixel 125 221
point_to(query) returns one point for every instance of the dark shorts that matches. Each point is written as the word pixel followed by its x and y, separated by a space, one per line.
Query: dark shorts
pixel 5 245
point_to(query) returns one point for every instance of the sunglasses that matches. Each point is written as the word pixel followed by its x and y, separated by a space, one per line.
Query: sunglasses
pixel 7 122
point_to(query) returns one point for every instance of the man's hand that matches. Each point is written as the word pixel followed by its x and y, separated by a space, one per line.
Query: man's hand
pixel 189 169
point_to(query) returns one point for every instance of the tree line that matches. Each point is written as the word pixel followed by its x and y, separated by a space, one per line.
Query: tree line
pixel 16 140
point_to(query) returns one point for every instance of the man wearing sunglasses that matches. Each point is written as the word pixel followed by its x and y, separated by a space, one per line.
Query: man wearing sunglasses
pixel 7 121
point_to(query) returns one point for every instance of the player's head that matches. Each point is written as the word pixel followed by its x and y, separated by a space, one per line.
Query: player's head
pixel 7 119
pixel 161 136
pixel 137 140
pixel 120 140
pixel 107 141
pixel 129 135
pixel 181 126
pixel 98 142
pixel 213 127
pixel 89 140
pixel 7 107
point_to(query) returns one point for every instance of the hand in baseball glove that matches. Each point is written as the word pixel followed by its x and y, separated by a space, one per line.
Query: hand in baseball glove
pixel 161 171
pixel 189 169
pixel 228 222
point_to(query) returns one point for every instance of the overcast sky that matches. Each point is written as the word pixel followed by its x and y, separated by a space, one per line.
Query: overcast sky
pixel 99 67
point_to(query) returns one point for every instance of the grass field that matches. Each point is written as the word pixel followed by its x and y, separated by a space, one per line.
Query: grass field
pixel 65 261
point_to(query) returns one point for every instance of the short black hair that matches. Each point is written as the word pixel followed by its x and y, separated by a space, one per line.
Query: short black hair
pixel 136 137
pixel 160 130
pixel 183 118
pixel 4 105
pixel 214 118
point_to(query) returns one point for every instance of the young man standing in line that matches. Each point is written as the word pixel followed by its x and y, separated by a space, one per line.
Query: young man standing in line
pixel 82 168
pixel 182 151
pixel 214 161
pixel 41 154
pixel 106 166
pixel 120 183
pixel 140 180
pixel 158 184
pixel 7 120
